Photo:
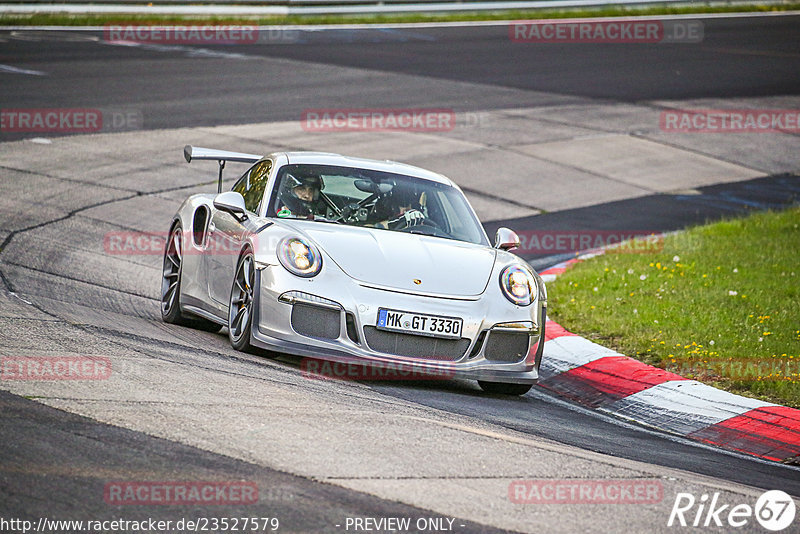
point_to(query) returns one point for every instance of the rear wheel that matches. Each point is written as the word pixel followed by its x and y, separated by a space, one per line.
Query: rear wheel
pixel 240 309
pixel 502 388
pixel 172 270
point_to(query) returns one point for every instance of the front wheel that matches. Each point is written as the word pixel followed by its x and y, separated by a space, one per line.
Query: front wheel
pixel 240 307
pixel 502 388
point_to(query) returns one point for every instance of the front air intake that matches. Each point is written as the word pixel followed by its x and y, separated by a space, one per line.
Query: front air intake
pixel 507 346
pixel 315 321
pixel 413 346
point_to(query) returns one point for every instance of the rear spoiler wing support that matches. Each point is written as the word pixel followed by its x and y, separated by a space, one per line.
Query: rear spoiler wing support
pixel 196 152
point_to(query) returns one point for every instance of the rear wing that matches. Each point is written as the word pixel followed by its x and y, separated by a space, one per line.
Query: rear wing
pixel 221 156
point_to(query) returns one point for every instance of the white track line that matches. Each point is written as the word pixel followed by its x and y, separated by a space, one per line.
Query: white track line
pixel 16 70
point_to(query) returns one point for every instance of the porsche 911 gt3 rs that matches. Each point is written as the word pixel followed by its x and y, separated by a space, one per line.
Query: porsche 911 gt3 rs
pixel 354 260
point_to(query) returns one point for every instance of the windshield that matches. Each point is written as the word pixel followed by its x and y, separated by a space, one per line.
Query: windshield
pixel 375 199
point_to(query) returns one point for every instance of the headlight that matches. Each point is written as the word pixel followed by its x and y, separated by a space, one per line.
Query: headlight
pixel 299 257
pixel 518 285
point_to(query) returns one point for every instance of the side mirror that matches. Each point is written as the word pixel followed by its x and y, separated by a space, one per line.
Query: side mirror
pixel 506 239
pixel 233 203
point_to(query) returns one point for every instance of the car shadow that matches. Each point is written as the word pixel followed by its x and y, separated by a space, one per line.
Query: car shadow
pixel 394 384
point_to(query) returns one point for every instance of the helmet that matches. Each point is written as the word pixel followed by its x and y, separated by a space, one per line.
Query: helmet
pixel 401 196
pixel 299 193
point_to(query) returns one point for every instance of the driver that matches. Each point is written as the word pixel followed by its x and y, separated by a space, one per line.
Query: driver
pixel 299 196
pixel 401 209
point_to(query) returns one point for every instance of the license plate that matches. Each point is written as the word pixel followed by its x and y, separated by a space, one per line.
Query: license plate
pixel 420 324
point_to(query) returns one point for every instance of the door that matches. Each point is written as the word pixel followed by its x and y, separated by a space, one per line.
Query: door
pixel 227 234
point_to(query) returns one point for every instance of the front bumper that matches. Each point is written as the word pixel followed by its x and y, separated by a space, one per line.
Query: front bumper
pixel 350 302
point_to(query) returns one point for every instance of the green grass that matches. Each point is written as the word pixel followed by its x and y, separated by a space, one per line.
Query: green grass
pixel 100 20
pixel 720 304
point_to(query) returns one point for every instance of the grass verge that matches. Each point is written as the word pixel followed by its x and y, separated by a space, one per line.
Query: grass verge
pixel 60 19
pixel 719 303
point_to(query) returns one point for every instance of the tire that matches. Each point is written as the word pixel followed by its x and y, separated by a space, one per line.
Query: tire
pixel 240 304
pixel 172 270
pixel 502 388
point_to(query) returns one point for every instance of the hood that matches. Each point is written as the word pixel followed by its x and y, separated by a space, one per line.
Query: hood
pixel 396 259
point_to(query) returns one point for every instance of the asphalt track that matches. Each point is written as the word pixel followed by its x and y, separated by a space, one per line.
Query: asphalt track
pixel 175 86
pixel 73 482
pixel 180 87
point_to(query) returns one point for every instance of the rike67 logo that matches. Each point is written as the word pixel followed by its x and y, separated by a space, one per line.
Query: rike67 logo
pixel 774 510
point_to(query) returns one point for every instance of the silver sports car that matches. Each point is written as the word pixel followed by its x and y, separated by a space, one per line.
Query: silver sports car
pixel 342 259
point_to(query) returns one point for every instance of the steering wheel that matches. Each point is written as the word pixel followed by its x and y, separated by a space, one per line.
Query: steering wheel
pixel 351 210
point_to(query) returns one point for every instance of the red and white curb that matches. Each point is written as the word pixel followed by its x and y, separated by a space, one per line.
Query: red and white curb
pixel 607 381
